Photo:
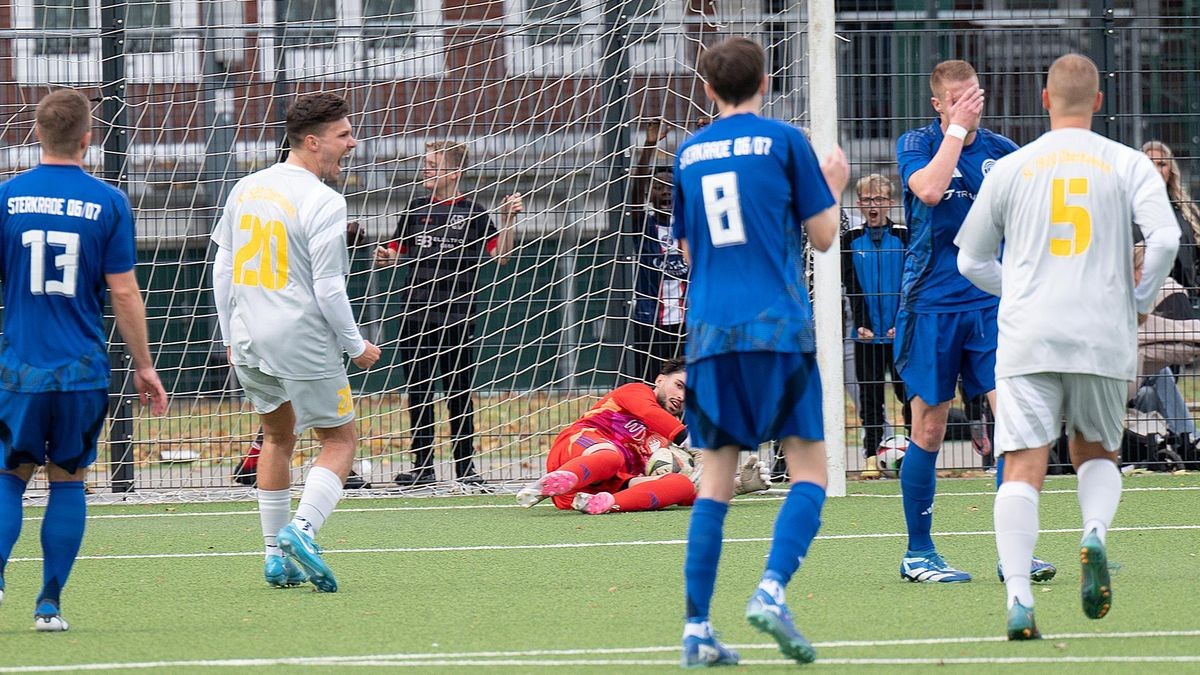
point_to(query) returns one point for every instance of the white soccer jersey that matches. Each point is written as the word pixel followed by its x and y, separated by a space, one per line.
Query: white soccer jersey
pixel 1064 207
pixel 285 229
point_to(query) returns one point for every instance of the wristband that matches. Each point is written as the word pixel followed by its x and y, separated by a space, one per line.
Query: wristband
pixel 957 131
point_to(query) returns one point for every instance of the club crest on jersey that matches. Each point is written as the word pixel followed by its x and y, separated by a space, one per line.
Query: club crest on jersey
pixel 987 165
pixel 457 221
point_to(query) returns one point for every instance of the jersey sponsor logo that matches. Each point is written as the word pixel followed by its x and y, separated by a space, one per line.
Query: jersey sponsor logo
pixel 987 166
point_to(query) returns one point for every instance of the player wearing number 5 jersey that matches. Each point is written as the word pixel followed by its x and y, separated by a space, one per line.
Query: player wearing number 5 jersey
pixel 279 280
pixel 64 236
pixel 1063 205
pixel 746 191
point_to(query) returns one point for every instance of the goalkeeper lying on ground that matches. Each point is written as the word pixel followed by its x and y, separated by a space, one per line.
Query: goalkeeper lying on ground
pixel 598 463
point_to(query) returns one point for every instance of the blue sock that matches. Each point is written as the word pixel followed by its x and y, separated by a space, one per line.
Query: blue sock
pixel 795 527
pixel 918 482
pixel 62 532
pixel 999 471
pixel 703 553
pixel 11 490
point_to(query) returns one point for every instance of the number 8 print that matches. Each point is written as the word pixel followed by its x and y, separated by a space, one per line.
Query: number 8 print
pixel 723 208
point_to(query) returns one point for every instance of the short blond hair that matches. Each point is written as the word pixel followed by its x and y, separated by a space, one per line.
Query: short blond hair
pixel 876 182
pixel 950 71
pixel 1072 83
pixel 454 152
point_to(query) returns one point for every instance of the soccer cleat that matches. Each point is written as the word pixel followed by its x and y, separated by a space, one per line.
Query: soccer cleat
pixel 1040 571
pixel 552 484
pixel 704 651
pixel 594 505
pixel 1021 625
pixel 301 548
pixel 283 572
pixel 929 568
pixel 773 618
pixel 47 618
pixel 871 470
pixel 1095 587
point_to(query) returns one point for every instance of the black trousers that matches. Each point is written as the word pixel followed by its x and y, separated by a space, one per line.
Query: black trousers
pixel 872 363
pixel 653 346
pixel 445 355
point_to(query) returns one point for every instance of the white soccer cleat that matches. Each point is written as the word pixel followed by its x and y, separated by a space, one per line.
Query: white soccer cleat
pixel 47 619
pixel 593 505
pixel 552 484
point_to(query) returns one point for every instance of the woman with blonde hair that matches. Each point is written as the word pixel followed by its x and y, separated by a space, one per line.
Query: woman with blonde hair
pixel 1186 212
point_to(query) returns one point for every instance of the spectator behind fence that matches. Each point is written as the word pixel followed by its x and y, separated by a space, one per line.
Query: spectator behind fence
pixel 442 239
pixel 1185 269
pixel 872 266
pixel 661 283
pixel 65 237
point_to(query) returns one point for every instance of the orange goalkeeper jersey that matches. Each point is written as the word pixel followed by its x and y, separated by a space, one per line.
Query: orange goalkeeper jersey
pixel 632 419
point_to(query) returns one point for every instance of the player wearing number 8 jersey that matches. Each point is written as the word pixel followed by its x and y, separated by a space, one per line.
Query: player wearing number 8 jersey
pixel 279 284
pixel 1063 205
pixel 64 236
pixel 746 189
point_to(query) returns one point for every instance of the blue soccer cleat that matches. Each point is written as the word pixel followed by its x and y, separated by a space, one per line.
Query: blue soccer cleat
pixel 773 618
pixel 282 572
pixel 1095 586
pixel 47 618
pixel 1021 625
pixel 927 567
pixel 299 546
pixel 1040 571
pixel 701 649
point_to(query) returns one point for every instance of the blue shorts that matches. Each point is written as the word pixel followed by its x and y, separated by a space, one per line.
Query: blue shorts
pixel 747 398
pixel 933 350
pixel 58 426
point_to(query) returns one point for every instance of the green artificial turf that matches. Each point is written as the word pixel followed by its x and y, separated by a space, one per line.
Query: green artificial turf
pixel 436 584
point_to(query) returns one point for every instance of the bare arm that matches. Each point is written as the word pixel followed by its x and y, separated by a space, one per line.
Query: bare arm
pixel 510 206
pixel 929 184
pixel 823 227
pixel 131 322
pixel 639 185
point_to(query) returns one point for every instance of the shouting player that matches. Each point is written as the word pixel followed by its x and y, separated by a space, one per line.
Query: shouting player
pixel 65 236
pixel 1069 309
pixel 279 280
pixel 597 464
pixel 746 188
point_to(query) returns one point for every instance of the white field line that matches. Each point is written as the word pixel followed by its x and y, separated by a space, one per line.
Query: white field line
pixel 473 507
pixel 536 657
pixel 598 544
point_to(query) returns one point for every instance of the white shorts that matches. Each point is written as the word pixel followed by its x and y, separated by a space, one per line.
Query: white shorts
pixel 1030 409
pixel 321 404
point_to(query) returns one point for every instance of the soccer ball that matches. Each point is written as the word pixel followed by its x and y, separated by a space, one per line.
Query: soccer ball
pixel 891 454
pixel 670 459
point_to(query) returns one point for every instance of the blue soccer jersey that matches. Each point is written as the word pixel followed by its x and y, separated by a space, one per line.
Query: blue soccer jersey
pixel 61 230
pixel 932 283
pixel 743 187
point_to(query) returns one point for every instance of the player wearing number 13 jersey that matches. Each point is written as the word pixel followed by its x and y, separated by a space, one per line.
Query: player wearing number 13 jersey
pixel 64 237
pixel 747 189
pixel 280 289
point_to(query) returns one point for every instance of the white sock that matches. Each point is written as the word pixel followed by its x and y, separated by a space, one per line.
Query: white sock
pixel 322 490
pixel 700 629
pixel 273 512
pixel 774 589
pixel 1015 516
pixel 1099 494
